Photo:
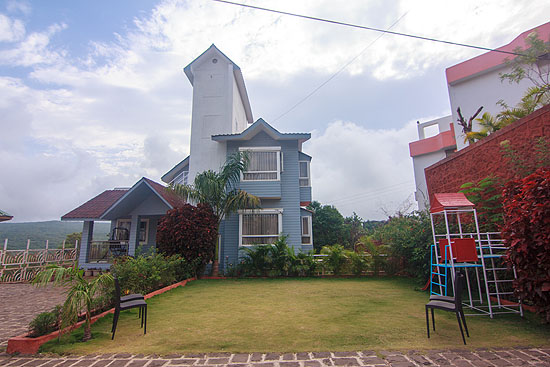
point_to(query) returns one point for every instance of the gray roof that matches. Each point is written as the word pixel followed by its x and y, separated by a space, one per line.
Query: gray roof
pixel 261 125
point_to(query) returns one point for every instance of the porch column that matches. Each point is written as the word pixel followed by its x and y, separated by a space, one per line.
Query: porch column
pixel 85 243
pixel 133 240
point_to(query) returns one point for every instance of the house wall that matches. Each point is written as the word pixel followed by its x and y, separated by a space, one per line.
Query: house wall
pixel 484 89
pixel 289 199
pixel 213 106
pixel 485 158
pixel 239 115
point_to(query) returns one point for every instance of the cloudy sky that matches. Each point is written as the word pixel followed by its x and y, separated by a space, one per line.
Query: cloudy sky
pixel 92 93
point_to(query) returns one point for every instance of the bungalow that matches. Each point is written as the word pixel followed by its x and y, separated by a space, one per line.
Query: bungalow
pixel 221 124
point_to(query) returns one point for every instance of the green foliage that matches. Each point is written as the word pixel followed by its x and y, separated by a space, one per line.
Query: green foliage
pixel 72 239
pixel 82 294
pixel 408 239
pixel 359 263
pixel 378 253
pixel 191 232
pixel 146 273
pixel 352 230
pixel 522 165
pixel 336 258
pixel 532 65
pixel 526 230
pixel 45 322
pixel 487 196
pixel 327 225
pixel 277 259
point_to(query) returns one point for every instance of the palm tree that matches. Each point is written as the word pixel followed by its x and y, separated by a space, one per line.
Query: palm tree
pixel 81 293
pixel 218 190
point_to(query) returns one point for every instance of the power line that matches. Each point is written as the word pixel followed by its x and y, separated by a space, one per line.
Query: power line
pixel 370 28
pixel 339 70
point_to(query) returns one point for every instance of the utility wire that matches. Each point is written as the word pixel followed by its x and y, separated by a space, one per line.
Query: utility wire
pixel 370 28
pixel 339 70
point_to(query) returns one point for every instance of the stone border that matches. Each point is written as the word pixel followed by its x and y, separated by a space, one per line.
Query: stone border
pixel 498 357
pixel 27 345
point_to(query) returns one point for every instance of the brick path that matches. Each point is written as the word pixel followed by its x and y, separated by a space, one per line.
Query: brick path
pixel 20 303
pixel 459 358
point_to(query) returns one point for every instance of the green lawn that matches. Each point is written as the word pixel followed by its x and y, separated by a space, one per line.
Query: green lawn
pixel 291 315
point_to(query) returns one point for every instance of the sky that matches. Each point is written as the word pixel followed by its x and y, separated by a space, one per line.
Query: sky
pixel 93 96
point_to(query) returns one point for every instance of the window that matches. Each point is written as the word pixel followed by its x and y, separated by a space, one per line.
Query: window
pixel 143 234
pixel 304 174
pixel 259 227
pixel 263 165
pixel 306 231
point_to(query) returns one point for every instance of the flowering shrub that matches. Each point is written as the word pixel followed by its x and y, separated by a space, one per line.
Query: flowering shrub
pixel 189 231
pixel 526 230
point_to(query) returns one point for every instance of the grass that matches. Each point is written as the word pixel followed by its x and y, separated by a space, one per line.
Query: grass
pixel 292 315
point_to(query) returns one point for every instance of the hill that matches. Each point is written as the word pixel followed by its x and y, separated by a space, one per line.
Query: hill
pixel 38 232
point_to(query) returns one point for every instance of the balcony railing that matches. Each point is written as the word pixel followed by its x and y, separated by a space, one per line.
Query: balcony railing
pixel 180 179
pixel 106 251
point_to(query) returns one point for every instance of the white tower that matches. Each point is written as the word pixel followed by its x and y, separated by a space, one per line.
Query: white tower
pixel 220 106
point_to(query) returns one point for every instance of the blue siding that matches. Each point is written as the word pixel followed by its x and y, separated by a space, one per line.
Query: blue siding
pixel 305 193
pixel 262 189
pixel 289 198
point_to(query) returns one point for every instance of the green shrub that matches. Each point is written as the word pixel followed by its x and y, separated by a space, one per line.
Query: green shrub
pixel 336 258
pixel 359 263
pixel 408 239
pixel 146 273
pixel 45 322
pixel 303 265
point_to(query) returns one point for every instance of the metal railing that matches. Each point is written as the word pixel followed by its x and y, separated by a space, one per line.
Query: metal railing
pixel 181 179
pixel 103 252
pixel 23 265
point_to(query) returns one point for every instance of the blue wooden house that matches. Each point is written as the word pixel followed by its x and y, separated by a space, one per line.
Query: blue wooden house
pixel 221 124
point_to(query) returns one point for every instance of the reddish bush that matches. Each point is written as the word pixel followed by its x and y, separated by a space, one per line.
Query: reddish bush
pixel 189 231
pixel 527 231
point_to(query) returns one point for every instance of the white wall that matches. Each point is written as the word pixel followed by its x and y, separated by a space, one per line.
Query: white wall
pixel 213 111
pixel 420 163
pixel 482 90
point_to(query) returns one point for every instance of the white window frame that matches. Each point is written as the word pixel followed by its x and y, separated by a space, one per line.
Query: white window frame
pixel 146 220
pixel 300 178
pixel 310 229
pixel 263 149
pixel 278 211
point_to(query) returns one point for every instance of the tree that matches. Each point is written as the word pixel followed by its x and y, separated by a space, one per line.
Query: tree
pixel 327 225
pixel 191 232
pixel 81 293
pixel 218 190
pixel 353 230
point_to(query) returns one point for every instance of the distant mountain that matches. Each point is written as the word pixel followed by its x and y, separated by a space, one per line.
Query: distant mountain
pixel 38 232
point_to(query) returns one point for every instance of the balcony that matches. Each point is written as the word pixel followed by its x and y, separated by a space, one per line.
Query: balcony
pixel 103 252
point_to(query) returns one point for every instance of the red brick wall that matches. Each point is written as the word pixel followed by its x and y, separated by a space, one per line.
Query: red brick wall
pixel 485 157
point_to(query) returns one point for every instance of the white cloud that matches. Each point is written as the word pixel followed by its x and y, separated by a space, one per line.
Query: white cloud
pixel 78 124
pixel 363 170
pixel 11 30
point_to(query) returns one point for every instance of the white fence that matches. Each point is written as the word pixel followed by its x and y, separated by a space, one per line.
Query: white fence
pixel 23 265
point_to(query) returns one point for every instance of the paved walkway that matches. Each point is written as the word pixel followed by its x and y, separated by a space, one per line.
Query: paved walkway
pixel 478 358
pixel 20 303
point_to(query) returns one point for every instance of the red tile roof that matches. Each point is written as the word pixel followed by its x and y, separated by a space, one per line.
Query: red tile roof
pixel 171 198
pixel 450 201
pixel 93 208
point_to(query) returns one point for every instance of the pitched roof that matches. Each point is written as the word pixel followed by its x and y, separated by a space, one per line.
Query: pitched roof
pixel 261 125
pixel 169 176
pixel 171 198
pixel 236 72
pixel 5 216
pixel 97 208
pixel 94 208
pixel 450 201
